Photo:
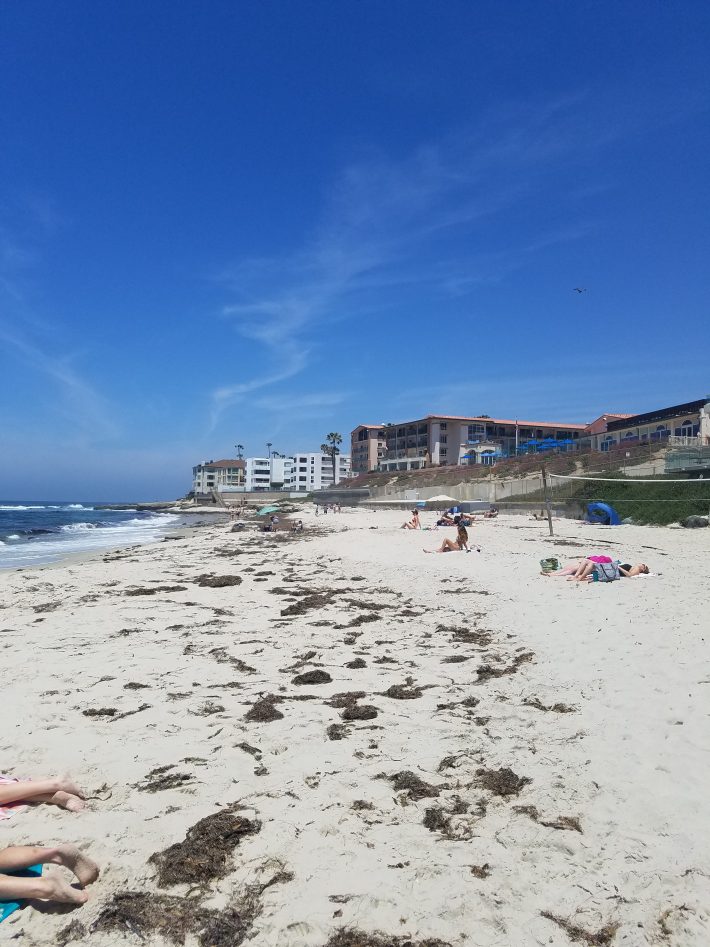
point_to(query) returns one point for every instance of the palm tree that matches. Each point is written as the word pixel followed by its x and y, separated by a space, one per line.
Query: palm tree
pixel 240 450
pixel 268 448
pixel 331 448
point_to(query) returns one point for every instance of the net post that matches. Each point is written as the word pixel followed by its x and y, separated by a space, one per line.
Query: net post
pixel 546 493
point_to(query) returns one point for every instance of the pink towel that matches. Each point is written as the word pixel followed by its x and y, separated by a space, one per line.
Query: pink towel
pixel 599 558
pixel 9 808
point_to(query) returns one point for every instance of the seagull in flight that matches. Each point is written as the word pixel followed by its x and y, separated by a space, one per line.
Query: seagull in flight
pixel 579 289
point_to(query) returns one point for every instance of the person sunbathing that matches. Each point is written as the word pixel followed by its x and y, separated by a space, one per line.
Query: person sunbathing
pixel 54 887
pixel 414 523
pixel 578 570
pixel 458 545
pixel 60 791
pixel 628 571
pixel 491 514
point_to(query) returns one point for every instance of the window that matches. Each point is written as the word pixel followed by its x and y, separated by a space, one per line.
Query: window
pixel 442 451
pixel 442 425
pixel 443 438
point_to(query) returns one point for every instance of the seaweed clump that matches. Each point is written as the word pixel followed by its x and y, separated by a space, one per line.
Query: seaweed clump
pixel 264 710
pixel 351 937
pixel 204 853
pixel 416 788
pixel 501 782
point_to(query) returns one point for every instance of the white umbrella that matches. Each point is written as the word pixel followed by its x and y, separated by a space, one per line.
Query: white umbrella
pixel 442 498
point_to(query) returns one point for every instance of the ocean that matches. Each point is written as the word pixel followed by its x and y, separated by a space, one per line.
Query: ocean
pixel 37 532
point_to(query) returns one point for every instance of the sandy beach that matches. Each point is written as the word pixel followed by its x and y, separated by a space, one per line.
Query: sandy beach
pixel 431 750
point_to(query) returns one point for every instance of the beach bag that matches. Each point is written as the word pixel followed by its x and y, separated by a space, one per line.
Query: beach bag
pixel 550 565
pixel 606 571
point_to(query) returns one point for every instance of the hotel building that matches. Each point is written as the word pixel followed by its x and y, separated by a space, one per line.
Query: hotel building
pixel 367 447
pixel 441 440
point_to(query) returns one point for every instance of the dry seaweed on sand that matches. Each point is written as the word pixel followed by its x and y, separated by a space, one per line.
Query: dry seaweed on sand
pixel 359 712
pixel 217 581
pixel 558 708
pixel 361 619
pixel 351 937
pixel 407 691
pixel 100 712
pixel 356 664
pixel 563 822
pixel 204 854
pixel 264 710
pixel 176 919
pixel 346 699
pixel 73 931
pixel 309 602
pixel 161 778
pixel 601 938
pixel 501 782
pixel 155 589
pixel 312 677
pixel 416 788
pixel 337 731
pixel 481 871
pixel 487 671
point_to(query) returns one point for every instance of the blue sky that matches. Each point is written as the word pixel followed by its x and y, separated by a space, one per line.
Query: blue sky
pixel 245 222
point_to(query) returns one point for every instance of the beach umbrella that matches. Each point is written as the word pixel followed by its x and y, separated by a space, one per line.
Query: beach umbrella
pixel 442 498
pixel 267 509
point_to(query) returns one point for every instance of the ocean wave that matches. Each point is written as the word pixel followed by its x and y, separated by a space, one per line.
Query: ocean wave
pixel 13 507
pixel 81 527
pixel 77 506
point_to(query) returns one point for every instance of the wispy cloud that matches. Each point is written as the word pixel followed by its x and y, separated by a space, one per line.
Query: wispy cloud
pixel 399 224
pixel 86 410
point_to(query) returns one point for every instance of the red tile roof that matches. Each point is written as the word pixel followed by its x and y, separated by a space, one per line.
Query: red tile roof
pixel 224 463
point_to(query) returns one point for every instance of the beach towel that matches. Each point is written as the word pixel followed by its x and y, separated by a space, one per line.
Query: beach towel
pixel 606 572
pixel 9 808
pixel 9 907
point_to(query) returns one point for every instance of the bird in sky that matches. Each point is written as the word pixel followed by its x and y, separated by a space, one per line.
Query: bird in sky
pixel 579 289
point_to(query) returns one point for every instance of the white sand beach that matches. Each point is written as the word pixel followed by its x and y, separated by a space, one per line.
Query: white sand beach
pixel 535 771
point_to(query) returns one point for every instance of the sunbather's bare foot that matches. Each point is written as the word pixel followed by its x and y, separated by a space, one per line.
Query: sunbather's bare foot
pixel 57 889
pixel 84 868
pixel 68 801
pixel 67 784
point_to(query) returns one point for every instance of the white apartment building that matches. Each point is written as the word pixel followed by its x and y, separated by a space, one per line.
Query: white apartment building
pixel 314 471
pixel 267 473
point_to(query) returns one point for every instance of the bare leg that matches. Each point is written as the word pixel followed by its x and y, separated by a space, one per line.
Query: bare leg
pixel 586 572
pixel 53 888
pixel 59 791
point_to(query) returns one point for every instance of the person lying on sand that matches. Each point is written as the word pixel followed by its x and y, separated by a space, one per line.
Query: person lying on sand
pixel 414 523
pixel 60 791
pixel 18 858
pixel 579 570
pixel 582 570
pixel 491 514
pixel 459 545
pixel 628 571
